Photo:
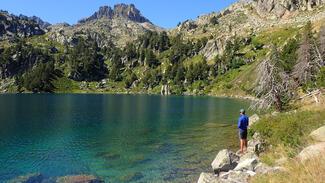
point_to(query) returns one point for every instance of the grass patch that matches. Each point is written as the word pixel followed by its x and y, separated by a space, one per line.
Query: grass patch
pixel 276 36
pixel 66 85
pixel 289 130
pixel 297 172
pixel 286 134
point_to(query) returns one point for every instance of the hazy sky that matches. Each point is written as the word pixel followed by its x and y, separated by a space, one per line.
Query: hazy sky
pixel 165 13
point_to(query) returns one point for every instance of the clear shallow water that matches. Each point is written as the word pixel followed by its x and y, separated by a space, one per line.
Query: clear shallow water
pixel 121 138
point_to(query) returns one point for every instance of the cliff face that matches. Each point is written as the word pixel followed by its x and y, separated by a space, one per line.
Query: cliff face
pixel 129 12
pixel 117 25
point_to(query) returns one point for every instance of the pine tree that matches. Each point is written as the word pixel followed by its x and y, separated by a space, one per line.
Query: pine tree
pixel 151 60
pixel 180 74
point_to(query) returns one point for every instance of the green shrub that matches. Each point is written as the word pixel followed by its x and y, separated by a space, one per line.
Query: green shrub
pixel 289 130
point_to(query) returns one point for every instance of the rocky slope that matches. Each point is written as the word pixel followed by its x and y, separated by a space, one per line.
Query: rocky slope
pixel 280 8
pixel 254 22
pixel 248 17
pixel 21 26
pixel 117 25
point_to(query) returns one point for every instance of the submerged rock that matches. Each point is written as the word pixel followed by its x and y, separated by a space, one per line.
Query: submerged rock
pixel 225 160
pixel 30 178
pixel 79 179
pixel 319 134
pixel 132 177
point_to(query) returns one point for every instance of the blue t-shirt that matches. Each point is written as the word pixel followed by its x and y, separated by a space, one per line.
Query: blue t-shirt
pixel 243 122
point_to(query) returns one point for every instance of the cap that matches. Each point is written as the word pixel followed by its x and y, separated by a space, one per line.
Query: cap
pixel 242 111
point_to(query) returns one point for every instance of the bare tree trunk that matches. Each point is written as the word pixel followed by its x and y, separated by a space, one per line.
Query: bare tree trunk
pixel 278 103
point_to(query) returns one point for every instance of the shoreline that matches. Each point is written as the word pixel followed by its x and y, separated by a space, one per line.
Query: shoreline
pixel 266 159
pixel 244 97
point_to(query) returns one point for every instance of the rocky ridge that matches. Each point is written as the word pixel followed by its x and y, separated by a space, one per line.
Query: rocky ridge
pixel 43 24
pixel 280 8
pixel 120 10
pixel 120 25
pixel 12 26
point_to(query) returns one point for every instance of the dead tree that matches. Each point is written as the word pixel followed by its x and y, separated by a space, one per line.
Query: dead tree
pixel 310 57
pixel 272 84
pixel 322 45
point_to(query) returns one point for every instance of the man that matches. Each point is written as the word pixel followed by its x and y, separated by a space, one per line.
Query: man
pixel 243 123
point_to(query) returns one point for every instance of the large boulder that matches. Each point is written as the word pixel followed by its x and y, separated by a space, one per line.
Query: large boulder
pixel 312 151
pixel 247 162
pixel 30 178
pixel 225 160
pixel 208 178
pixel 319 134
pixel 79 179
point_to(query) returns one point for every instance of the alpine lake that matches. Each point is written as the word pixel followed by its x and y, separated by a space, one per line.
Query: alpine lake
pixel 120 138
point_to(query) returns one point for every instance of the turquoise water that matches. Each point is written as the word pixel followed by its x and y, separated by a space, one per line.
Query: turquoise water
pixel 121 138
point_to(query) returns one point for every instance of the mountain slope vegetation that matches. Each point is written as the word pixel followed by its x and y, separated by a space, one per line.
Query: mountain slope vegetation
pixel 117 50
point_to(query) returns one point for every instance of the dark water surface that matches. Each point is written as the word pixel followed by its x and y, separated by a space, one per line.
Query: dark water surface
pixel 121 138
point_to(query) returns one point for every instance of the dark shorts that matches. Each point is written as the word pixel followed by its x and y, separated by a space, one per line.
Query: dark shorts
pixel 243 134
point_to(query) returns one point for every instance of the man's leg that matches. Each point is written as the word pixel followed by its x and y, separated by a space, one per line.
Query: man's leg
pixel 242 146
pixel 245 144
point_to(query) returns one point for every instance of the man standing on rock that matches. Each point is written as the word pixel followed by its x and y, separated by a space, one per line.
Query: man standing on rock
pixel 243 123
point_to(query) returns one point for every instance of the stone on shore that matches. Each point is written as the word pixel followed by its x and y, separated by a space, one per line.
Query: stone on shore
pixel 255 145
pixel 262 168
pixel 30 178
pixel 225 160
pixel 253 119
pixel 208 178
pixel 248 155
pixel 247 162
pixel 79 179
pixel 312 151
pixel 236 176
pixel 319 134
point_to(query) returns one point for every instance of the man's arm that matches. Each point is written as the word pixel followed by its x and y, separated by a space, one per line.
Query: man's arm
pixel 239 122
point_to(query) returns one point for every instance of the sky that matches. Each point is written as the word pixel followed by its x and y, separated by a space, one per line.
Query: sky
pixel 164 13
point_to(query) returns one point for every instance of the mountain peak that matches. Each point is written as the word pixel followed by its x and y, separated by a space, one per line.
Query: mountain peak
pixel 128 11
